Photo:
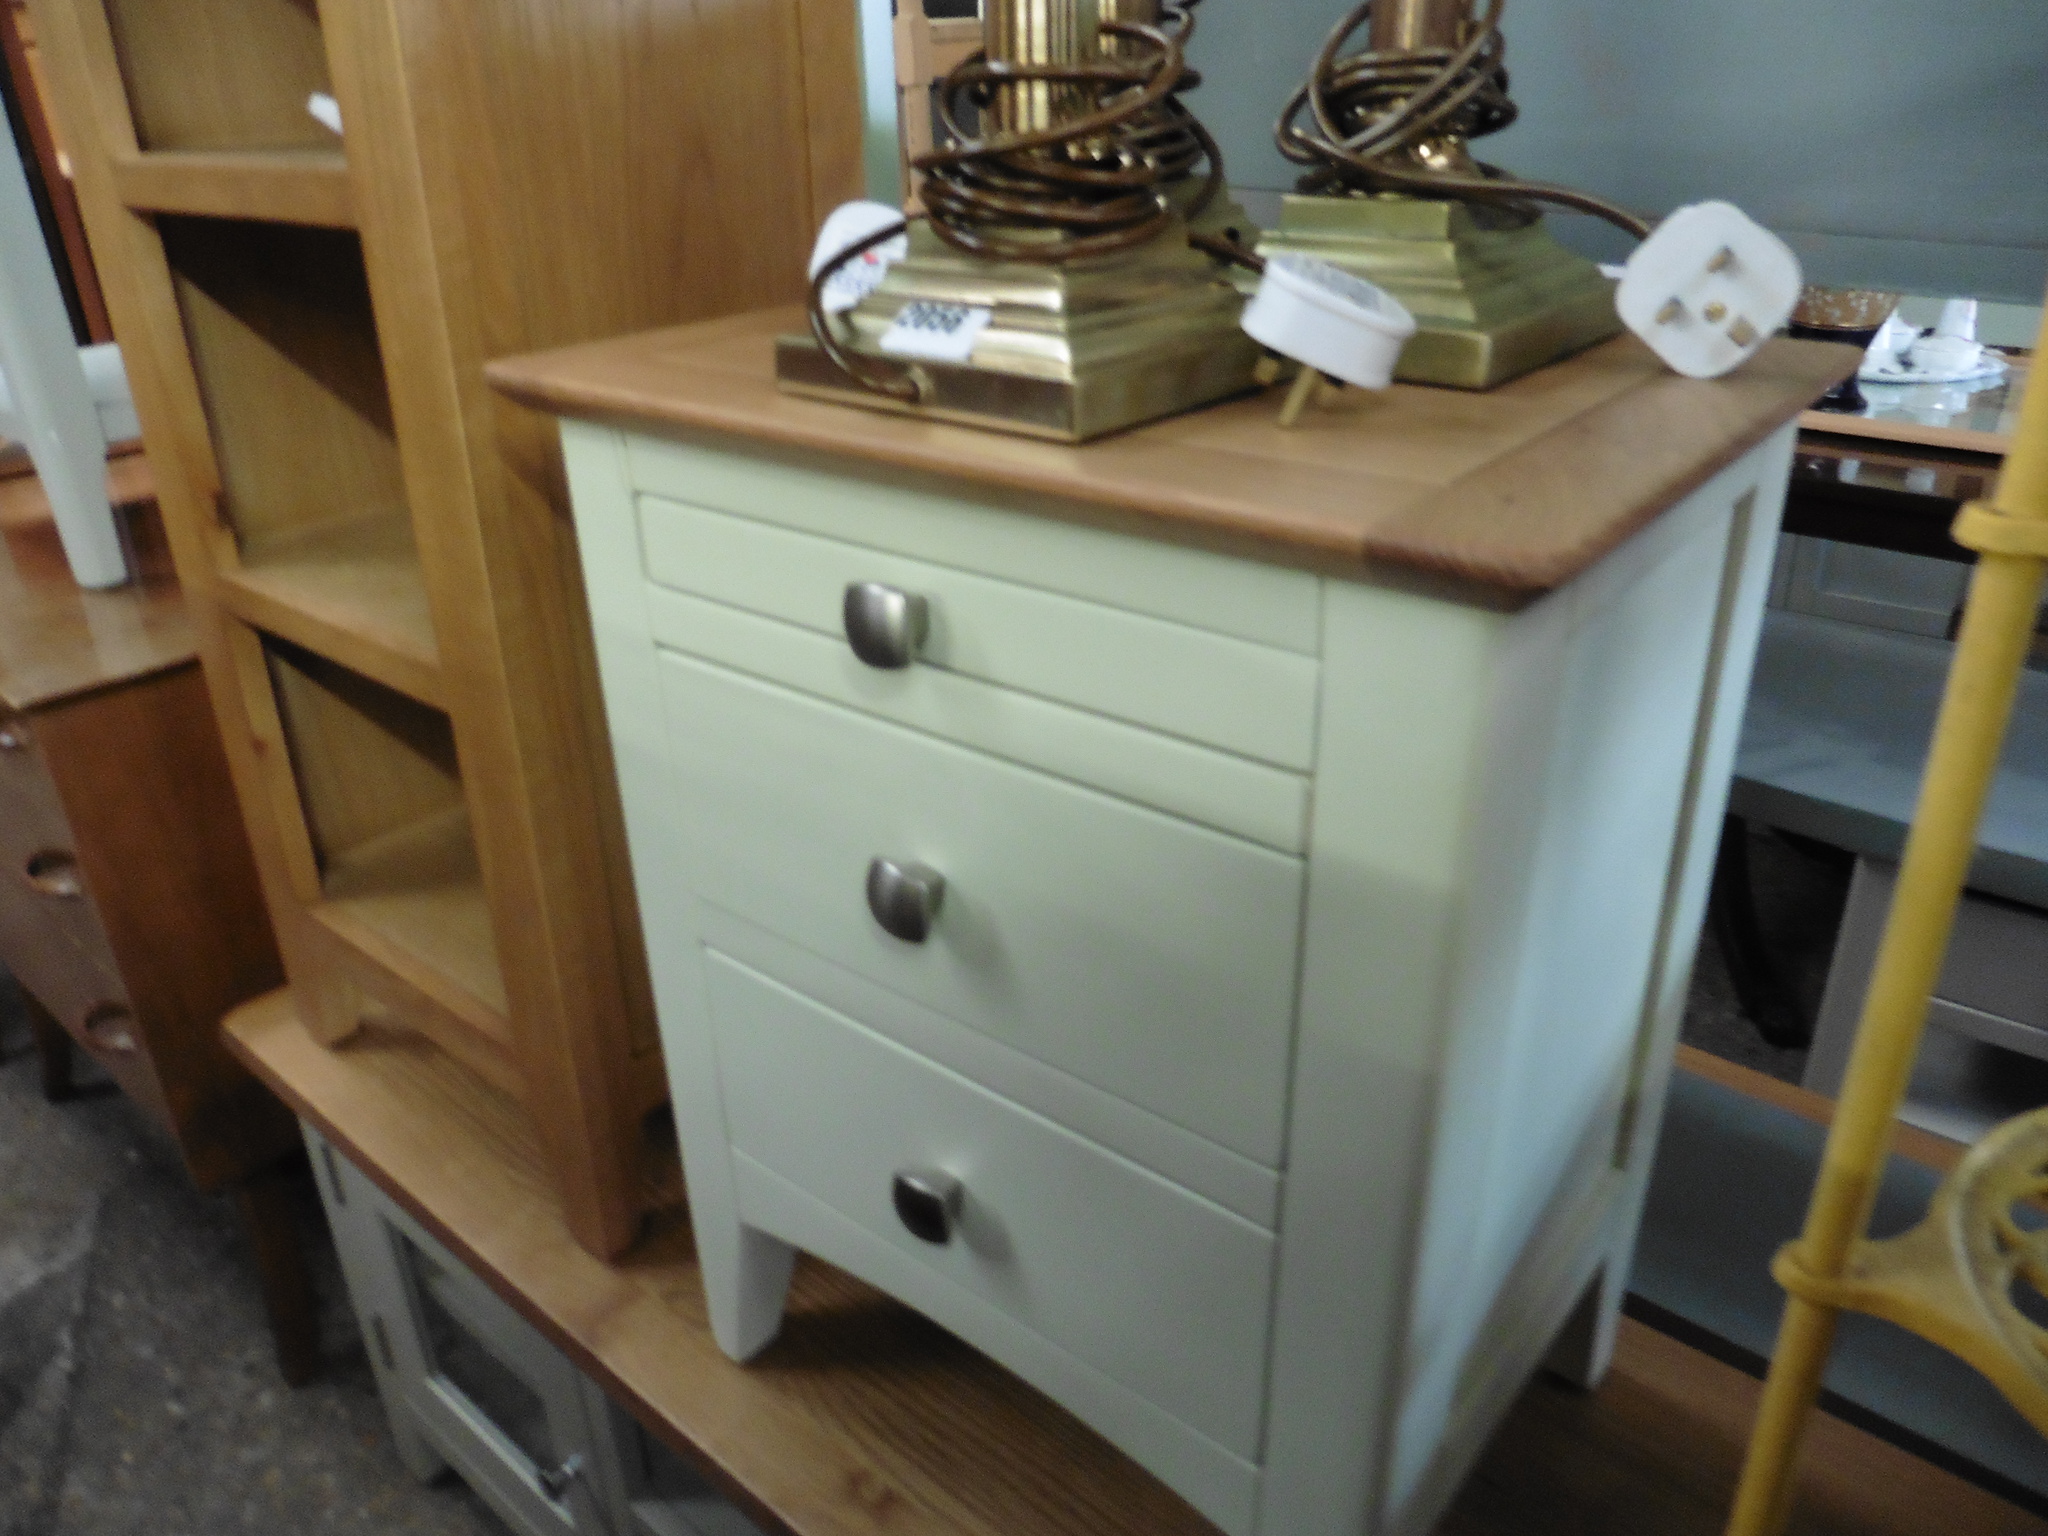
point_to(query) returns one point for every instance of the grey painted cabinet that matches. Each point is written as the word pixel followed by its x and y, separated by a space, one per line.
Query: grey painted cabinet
pixel 470 1386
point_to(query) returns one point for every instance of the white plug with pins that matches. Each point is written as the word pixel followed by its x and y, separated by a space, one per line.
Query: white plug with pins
pixel 1708 288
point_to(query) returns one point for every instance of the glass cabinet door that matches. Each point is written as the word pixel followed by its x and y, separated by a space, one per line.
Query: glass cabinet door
pixel 508 1407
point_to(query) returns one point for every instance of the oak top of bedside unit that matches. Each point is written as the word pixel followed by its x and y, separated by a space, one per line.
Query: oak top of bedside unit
pixel 58 641
pixel 1518 489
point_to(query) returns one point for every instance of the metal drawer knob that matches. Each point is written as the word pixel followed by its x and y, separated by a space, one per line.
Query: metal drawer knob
pixel 13 739
pixel 110 1028
pixel 55 873
pixel 885 625
pixel 928 1203
pixel 905 898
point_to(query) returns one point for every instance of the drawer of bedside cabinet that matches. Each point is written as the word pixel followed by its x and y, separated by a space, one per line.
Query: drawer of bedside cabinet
pixel 1150 957
pixel 39 874
pixel 31 815
pixel 1255 700
pixel 1149 1285
pixel 83 995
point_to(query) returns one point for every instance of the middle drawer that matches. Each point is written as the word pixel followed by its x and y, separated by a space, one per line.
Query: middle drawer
pixel 1148 956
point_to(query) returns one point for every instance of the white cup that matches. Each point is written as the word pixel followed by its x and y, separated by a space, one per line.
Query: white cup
pixel 1958 319
pixel 1943 354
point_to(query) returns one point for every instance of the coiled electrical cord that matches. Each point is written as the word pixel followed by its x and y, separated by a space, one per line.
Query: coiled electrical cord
pixel 1093 184
pixel 1095 181
pixel 1368 112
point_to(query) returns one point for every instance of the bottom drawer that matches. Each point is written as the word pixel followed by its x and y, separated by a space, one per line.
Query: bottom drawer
pixel 1155 1288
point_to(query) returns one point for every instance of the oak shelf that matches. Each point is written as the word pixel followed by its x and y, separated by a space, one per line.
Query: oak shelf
pixel 286 186
pixel 385 855
pixel 350 591
pixel 412 904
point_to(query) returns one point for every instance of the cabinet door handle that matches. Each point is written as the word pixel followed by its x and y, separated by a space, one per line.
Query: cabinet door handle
pixel 555 1484
pixel 905 898
pixel 885 625
pixel 13 737
pixel 928 1202
pixel 55 873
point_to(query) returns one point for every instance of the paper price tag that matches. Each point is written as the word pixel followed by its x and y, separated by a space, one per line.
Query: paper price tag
pixel 941 333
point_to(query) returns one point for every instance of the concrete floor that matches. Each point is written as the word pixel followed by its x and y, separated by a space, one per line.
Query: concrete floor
pixel 138 1396
pixel 137 1391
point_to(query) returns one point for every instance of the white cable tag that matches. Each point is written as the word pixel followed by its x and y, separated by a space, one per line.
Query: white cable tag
pixel 941 333
pixel 850 224
pixel 858 278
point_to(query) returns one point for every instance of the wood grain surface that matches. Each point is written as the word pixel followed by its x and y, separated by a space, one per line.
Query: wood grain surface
pixel 145 789
pixel 219 74
pixel 18 55
pixel 865 1420
pixel 533 175
pixel 308 358
pixel 57 640
pixel 303 186
pixel 1519 488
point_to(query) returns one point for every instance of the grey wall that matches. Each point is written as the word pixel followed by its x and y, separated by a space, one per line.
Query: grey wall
pixel 1900 143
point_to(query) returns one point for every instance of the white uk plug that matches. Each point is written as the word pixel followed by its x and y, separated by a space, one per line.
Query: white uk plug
pixel 1708 289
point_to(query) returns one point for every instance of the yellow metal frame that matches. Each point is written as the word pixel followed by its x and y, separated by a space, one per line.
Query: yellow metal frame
pixel 1950 1279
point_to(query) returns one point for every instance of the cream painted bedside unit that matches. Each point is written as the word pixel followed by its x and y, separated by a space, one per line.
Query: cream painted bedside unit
pixel 1203 915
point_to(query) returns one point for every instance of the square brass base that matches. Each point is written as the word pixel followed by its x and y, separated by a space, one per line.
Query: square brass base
pixel 1493 294
pixel 1074 351
pixel 1067 411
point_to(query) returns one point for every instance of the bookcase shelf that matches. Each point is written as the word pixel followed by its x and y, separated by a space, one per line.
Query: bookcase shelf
pixel 384 855
pixel 350 591
pixel 376 550
pixel 308 185
pixel 419 891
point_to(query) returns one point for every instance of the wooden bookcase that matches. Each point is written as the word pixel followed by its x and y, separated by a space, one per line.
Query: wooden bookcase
pixel 376 549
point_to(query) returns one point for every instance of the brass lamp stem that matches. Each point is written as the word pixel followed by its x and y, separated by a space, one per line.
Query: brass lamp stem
pixel 1040 32
pixel 1405 26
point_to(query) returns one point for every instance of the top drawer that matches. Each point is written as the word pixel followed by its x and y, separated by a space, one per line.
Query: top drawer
pixel 31 816
pixel 1211 650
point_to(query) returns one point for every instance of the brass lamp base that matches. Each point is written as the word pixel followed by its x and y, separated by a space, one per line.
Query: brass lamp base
pixel 1493 294
pixel 1074 351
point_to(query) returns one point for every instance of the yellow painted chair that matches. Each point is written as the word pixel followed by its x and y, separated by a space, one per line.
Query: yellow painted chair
pixel 1952 1278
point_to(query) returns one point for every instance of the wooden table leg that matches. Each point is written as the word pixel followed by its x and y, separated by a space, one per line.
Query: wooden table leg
pixel 269 1214
pixel 53 1050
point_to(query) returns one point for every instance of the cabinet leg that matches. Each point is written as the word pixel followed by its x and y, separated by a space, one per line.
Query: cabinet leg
pixel 419 1456
pixel 53 1050
pixel 1584 1347
pixel 745 1286
pixel 269 1216
pixel 332 1007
